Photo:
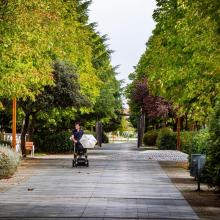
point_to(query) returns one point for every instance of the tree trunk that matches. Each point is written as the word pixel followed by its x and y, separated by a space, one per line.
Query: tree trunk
pixel 143 128
pixel 139 132
pixel 165 123
pixel 23 133
pixel 175 122
pixel 186 125
pixel 178 134
pixel 196 126
pixel 31 127
pixel 99 132
pixel 181 123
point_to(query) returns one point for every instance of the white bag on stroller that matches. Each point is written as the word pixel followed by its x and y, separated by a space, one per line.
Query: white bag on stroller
pixel 88 141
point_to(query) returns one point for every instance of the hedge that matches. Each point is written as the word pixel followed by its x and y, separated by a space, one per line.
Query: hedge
pixel 166 139
pixel 54 143
pixel 58 143
pixel 191 142
pixel 212 169
pixel 150 138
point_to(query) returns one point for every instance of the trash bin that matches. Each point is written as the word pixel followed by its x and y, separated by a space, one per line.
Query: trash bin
pixel 197 164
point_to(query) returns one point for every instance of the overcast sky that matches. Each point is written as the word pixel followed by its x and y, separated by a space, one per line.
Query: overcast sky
pixel 128 24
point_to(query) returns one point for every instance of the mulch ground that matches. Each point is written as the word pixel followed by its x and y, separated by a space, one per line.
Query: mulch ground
pixel 205 203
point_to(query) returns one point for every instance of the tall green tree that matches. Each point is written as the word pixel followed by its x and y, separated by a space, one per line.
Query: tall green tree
pixel 36 33
pixel 108 106
pixel 181 60
pixel 33 34
pixel 64 94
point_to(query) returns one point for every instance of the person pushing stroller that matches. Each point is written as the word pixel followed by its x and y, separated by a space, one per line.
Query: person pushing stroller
pixel 79 150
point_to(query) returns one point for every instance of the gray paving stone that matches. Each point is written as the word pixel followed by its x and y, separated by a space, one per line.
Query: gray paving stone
pixel 119 184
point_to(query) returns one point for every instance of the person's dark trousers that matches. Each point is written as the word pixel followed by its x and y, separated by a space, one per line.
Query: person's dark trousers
pixel 80 149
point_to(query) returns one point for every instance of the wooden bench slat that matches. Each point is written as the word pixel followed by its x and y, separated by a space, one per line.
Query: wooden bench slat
pixel 29 146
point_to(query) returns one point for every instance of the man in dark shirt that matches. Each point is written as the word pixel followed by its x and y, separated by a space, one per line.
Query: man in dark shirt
pixel 76 136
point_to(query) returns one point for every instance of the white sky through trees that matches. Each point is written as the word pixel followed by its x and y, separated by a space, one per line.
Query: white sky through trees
pixel 128 24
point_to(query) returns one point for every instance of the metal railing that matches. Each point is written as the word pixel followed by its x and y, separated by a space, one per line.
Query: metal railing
pixel 7 137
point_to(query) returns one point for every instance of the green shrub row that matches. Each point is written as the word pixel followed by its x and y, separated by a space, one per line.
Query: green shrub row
pixel 9 161
pixel 212 169
pixel 58 143
pixel 195 142
pixel 150 138
pixel 54 143
pixel 166 139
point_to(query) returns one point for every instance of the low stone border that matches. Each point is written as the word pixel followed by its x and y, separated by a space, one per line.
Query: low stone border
pixel 166 155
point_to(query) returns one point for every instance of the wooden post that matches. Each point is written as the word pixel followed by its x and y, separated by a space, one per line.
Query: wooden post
pixel 99 132
pixel 178 134
pixel 139 132
pixel 14 124
pixel 141 129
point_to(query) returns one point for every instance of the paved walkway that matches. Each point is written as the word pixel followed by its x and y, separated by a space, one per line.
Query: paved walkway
pixel 119 184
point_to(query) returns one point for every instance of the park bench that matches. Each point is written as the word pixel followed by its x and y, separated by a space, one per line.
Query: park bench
pixel 29 146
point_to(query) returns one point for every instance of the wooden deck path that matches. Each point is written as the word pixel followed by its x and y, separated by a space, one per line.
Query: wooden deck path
pixel 119 184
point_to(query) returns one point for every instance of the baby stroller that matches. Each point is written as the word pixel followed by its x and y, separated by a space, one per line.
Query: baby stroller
pixel 80 156
pixel 80 150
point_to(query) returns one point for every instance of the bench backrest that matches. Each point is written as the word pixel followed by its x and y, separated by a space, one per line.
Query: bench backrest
pixel 29 145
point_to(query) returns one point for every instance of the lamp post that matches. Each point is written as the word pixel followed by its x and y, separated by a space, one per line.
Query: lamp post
pixel 14 123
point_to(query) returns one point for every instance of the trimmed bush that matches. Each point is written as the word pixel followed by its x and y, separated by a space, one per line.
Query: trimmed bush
pixel 90 132
pixel 194 142
pixel 191 142
pixel 150 138
pixel 166 139
pixel 58 143
pixel 9 161
pixel 54 143
pixel 187 142
pixel 200 141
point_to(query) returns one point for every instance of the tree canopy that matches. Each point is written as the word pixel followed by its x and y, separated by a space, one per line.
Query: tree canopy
pixel 33 35
pixel 181 61
pixel 53 59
